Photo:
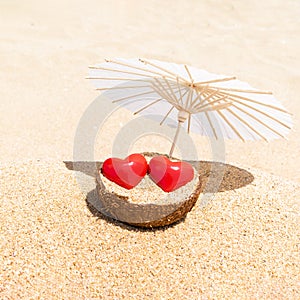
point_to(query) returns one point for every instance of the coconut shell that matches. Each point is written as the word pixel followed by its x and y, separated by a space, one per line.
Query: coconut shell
pixel 145 215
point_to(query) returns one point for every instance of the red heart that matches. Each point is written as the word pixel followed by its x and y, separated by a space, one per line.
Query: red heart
pixel 126 172
pixel 169 175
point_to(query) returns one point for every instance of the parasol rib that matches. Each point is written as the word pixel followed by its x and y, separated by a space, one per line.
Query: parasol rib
pixel 211 124
pixel 247 124
pixel 168 113
pixel 230 125
pixel 189 73
pixel 164 70
pixel 165 96
pixel 263 113
pixel 146 106
pixel 241 90
pixel 131 96
pixel 258 120
pixel 164 91
pixel 188 100
pixel 231 96
pixel 136 67
pixel 179 89
pixel 121 71
pixel 200 108
pixel 215 80
pixel 122 87
pixel 118 79
pixel 198 96
pixel 189 123
pixel 206 98
pixel 223 117
pixel 172 91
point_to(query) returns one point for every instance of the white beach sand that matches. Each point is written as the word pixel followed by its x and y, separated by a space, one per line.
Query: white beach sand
pixel 243 244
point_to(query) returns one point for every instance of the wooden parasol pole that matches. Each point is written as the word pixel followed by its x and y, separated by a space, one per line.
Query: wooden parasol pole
pixel 182 116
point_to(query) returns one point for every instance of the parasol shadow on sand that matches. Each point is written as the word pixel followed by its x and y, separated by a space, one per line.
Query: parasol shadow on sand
pixel 215 177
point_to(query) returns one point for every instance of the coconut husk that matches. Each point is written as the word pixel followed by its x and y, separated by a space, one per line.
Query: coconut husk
pixel 145 215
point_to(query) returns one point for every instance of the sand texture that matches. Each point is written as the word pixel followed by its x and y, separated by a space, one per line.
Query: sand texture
pixel 243 244
pixel 240 241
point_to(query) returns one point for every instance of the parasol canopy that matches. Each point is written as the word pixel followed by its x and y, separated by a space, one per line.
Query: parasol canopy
pixel 213 105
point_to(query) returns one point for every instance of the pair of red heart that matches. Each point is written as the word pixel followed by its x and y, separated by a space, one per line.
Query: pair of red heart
pixel 128 172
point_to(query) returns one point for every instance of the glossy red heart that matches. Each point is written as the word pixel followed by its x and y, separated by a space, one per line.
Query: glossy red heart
pixel 169 175
pixel 126 172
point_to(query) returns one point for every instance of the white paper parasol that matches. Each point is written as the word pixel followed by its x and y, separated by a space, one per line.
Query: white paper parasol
pixel 208 104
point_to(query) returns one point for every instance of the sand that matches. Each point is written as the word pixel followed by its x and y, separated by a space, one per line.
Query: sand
pixel 241 244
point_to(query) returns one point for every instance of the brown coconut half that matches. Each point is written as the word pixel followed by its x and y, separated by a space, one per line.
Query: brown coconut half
pixel 145 215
